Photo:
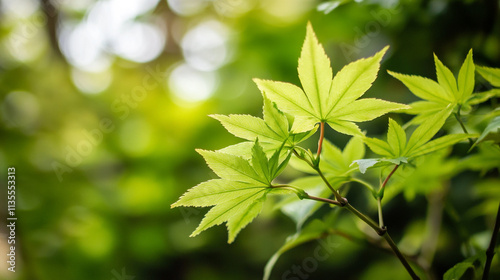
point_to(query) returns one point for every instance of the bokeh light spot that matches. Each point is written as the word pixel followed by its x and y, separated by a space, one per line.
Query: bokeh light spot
pixel 91 82
pixel 139 42
pixel 187 7
pixel 205 46
pixel 19 8
pixel 191 85
pixel 82 45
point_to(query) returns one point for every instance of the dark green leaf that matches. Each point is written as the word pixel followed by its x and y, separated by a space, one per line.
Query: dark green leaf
pixel 491 132
pixel 315 230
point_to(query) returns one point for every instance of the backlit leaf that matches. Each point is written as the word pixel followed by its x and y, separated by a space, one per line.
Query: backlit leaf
pixel 353 150
pixel 492 75
pixel 326 100
pixel 315 72
pixel 427 130
pixel 354 79
pixel 248 127
pixel 483 96
pixel 424 88
pixel 272 131
pixel 448 91
pixel 466 79
pixel 445 77
pixel 246 207
pixel 275 119
pixel 230 167
pixel 239 196
pixel 366 109
pixel 439 143
pixel 211 192
pixel 288 97
pixel 396 138
pixel 378 146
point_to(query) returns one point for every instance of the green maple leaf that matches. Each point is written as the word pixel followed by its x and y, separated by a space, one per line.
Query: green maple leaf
pixel 273 131
pixel 397 149
pixel 313 231
pixel 437 96
pixel 490 133
pixel 492 75
pixel 238 196
pixel 335 162
pixel 323 99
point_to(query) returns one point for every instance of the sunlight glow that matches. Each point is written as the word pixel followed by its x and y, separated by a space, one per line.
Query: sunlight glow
pixel 19 8
pixel 139 42
pixel 205 47
pixel 191 85
pixel 187 7
pixel 82 46
pixel 111 28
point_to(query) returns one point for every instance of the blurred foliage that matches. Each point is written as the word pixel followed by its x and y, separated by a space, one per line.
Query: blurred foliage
pixel 103 103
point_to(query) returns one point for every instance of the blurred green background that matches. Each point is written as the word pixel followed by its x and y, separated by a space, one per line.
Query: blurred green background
pixel 103 103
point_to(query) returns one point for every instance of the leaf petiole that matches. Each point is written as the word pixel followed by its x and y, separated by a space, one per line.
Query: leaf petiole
pixel 459 119
pixel 320 141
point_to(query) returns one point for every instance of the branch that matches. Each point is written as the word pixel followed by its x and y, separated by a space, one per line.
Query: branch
pixel 51 13
pixel 323 200
pixel 382 231
pixel 490 252
pixel 380 215
pixel 338 197
pixel 400 256
pixel 381 195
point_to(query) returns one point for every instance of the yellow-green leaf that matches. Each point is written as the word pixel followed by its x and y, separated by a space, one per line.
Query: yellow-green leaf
pixel 466 79
pixel 396 138
pixel 439 143
pixel 226 211
pixel 445 78
pixel 324 99
pixel 288 97
pixel 345 127
pixel 275 119
pixel 378 146
pixel 249 127
pixel 231 167
pixel 353 80
pixel 427 130
pixel 492 75
pixel 424 88
pixel 315 72
pixel 238 197
pixel 366 109
pixel 214 191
